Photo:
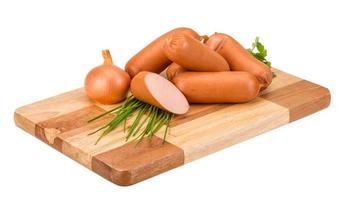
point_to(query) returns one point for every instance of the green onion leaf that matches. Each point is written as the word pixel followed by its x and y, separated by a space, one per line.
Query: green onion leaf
pixel 152 116
pixel 259 52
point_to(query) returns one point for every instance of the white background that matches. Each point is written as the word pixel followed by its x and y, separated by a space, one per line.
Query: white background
pixel 47 48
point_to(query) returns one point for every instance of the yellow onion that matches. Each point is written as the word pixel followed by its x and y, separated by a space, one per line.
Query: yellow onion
pixel 107 83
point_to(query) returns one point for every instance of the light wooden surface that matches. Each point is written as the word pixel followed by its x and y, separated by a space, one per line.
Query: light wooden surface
pixel 61 122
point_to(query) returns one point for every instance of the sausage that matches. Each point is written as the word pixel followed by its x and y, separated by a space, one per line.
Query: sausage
pixel 238 57
pixel 217 87
pixel 152 58
pixel 154 89
pixel 193 55
pixel 174 69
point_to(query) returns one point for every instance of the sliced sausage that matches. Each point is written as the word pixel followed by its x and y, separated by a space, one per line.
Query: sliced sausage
pixel 217 87
pixel 193 55
pixel 154 89
pixel 238 57
pixel 152 58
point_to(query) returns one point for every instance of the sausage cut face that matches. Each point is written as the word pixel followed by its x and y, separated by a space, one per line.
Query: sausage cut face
pixel 166 94
pixel 154 89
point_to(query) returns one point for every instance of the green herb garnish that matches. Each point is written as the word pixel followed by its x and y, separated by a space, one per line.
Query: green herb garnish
pixel 259 52
pixel 149 120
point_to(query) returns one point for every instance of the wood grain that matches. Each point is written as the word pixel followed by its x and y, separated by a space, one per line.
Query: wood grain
pixel 282 79
pixel 133 162
pixel 55 106
pixel 61 122
pixel 47 130
pixel 301 98
pixel 228 126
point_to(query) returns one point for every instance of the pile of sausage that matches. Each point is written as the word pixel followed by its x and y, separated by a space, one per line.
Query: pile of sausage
pixel 214 69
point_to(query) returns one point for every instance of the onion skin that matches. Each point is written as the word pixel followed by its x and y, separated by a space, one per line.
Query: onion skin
pixel 107 83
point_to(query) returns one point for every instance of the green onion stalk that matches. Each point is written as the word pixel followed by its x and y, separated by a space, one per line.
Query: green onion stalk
pixel 148 121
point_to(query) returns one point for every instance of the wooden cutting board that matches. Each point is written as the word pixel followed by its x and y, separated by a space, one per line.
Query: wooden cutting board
pixel 61 122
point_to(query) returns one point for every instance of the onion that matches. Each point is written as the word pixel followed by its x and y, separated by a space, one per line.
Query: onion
pixel 107 83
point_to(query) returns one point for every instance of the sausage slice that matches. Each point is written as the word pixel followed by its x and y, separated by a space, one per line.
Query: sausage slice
pixel 154 89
